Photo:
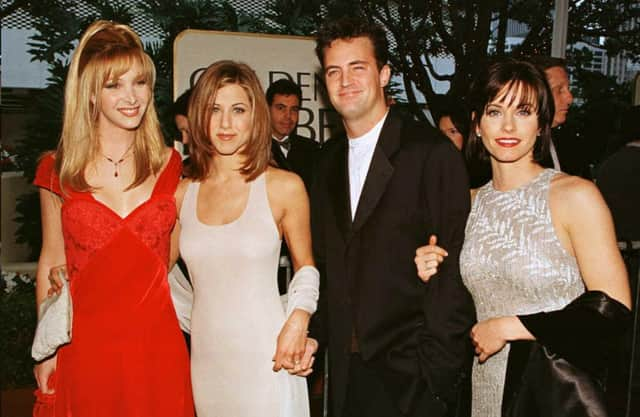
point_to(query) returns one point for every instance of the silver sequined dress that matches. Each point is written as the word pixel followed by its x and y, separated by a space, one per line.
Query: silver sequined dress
pixel 513 263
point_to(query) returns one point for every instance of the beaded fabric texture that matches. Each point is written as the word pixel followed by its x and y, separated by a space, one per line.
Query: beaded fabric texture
pixel 513 263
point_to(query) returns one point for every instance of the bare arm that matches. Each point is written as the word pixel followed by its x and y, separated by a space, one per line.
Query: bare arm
pixel 586 224
pixel 289 199
pixel 174 252
pixel 51 255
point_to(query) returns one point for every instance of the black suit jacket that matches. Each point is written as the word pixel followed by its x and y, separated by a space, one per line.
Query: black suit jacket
pixel 414 334
pixel 300 159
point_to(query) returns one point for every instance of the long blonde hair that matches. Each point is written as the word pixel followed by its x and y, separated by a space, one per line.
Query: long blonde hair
pixel 257 151
pixel 105 52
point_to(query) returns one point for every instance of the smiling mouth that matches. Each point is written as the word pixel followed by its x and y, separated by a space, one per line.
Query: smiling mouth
pixel 348 94
pixel 508 142
pixel 225 138
pixel 130 112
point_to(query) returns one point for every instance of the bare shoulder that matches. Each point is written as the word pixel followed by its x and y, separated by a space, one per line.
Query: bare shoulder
pixel 283 183
pixel 573 190
pixel 182 190
pixel 576 200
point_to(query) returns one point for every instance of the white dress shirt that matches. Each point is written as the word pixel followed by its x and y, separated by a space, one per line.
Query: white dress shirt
pixel 360 154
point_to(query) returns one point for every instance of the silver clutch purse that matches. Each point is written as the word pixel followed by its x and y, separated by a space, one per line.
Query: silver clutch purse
pixel 54 325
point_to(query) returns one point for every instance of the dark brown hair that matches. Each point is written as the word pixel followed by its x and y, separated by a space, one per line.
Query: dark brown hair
pixel 349 28
pixel 510 75
pixel 257 151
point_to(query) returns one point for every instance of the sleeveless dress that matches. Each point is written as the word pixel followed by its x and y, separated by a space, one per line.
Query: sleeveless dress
pixel 127 357
pixel 513 263
pixel 237 313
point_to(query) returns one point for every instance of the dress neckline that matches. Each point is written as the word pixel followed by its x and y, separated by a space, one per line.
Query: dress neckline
pixel 232 222
pixel 145 202
pixel 538 177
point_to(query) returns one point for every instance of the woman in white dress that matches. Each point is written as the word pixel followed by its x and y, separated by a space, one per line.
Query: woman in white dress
pixel 249 355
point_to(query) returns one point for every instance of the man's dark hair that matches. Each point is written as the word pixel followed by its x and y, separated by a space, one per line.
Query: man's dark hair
pixel 181 105
pixel 285 87
pixel 545 62
pixel 349 28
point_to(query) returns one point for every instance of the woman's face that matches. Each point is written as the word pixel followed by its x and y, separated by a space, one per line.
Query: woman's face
pixel 124 101
pixel 509 127
pixel 449 129
pixel 230 123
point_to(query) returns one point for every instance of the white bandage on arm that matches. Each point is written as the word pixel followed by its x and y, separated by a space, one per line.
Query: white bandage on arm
pixel 304 290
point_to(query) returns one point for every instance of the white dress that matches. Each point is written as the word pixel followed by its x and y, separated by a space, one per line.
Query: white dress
pixel 237 313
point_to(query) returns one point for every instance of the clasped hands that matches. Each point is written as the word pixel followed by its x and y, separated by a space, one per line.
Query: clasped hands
pixel 294 350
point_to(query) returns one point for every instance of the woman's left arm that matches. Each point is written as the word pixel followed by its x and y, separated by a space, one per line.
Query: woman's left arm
pixel 294 350
pixel 585 217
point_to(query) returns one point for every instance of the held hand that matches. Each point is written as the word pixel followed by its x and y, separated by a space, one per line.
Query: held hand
pixel 428 258
pixel 306 365
pixel 56 275
pixel 42 371
pixel 489 337
pixel 291 344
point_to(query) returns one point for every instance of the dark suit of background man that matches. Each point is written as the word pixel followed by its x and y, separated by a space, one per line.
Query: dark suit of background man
pixel 397 347
pixel 290 151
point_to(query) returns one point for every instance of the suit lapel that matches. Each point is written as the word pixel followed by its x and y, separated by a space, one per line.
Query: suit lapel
pixel 339 189
pixel 380 170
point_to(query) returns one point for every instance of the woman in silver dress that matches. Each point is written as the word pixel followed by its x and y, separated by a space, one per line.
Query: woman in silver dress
pixel 536 238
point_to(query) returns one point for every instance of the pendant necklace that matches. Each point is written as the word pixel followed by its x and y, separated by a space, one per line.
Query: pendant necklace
pixel 119 161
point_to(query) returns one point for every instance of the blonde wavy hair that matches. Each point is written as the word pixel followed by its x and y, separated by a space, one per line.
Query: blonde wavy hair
pixel 106 51
pixel 257 151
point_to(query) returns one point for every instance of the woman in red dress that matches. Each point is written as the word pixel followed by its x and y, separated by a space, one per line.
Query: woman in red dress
pixel 108 211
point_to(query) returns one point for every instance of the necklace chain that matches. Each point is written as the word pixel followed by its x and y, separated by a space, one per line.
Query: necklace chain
pixel 119 161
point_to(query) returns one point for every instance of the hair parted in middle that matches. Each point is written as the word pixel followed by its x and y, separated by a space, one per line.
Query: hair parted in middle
pixel 525 82
pixel 257 151
pixel 350 27
pixel 106 51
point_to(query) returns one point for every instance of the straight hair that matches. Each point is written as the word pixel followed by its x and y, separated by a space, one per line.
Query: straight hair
pixel 257 151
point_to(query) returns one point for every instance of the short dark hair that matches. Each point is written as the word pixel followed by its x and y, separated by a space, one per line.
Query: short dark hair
pixel 181 105
pixel 545 62
pixel 511 74
pixel 349 28
pixel 285 87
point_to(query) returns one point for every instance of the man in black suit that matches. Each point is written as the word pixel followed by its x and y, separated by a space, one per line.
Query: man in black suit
pixel 290 151
pixel 397 347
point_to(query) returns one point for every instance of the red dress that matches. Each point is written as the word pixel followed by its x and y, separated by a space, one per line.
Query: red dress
pixel 127 356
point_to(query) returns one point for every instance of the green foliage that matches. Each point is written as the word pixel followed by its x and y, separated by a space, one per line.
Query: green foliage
pixel 420 29
pixel 18 312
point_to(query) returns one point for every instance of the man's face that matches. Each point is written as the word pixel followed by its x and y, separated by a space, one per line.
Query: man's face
pixel 354 83
pixel 562 97
pixel 284 114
